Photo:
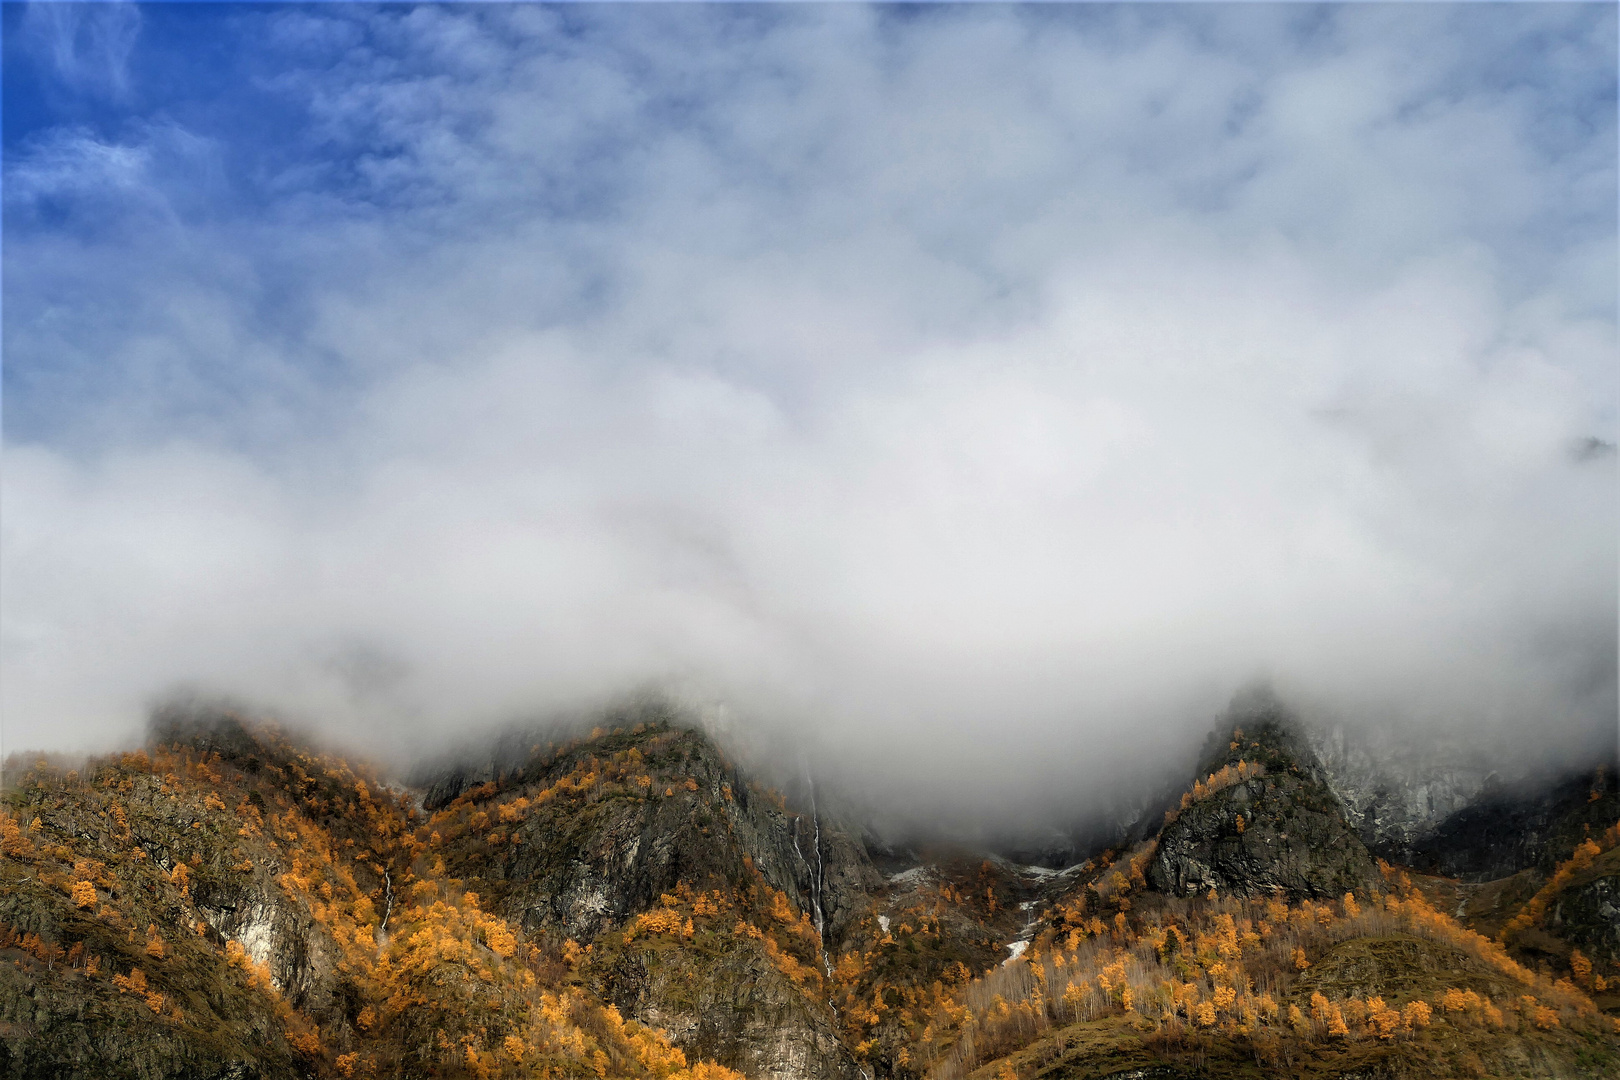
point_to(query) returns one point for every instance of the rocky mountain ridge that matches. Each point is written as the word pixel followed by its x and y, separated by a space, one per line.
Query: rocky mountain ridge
pixel 228 903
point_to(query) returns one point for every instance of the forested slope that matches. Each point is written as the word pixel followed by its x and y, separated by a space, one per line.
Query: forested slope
pixel 228 902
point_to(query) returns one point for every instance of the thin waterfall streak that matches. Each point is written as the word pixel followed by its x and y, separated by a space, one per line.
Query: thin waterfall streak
pixel 818 878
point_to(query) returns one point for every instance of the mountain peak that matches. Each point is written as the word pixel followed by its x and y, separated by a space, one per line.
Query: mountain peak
pixel 1260 819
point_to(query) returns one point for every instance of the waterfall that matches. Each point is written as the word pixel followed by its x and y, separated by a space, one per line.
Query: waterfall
pixel 818 873
pixel 818 883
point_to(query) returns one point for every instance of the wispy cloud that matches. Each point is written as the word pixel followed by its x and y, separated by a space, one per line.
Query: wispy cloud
pixel 76 165
pixel 86 46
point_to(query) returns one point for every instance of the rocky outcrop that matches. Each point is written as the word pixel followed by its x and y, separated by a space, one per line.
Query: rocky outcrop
pixel 1588 917
pixel 299 954
pixel 193 1019
pixel 587 870
pixel 583 868
pixel 1281 831
pixel 1277 833
pixel 1586 914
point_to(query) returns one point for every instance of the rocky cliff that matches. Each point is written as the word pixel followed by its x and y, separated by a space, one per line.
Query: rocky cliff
pixel 1451 808
pixel 1270 825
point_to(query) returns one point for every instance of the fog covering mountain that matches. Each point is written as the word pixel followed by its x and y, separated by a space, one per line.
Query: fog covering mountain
pixel 975 396
pixel 1460 804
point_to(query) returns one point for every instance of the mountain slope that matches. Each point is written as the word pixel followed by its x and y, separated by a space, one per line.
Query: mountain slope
pixel 701 899
pixel 1135 974
pixel 229 903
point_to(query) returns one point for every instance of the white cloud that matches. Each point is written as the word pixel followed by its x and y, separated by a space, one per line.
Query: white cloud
pixel 88 46
pixel 997 391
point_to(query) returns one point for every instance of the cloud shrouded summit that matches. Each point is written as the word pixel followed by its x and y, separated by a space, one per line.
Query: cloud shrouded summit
pixel 990 392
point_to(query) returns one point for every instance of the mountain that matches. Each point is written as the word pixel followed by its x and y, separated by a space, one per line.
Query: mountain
pixel 1266 822
pixel 229 902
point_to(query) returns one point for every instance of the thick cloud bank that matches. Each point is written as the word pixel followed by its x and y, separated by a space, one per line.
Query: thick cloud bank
pixel 989 392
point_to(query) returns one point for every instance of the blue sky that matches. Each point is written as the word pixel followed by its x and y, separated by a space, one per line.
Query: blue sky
pixel 882 370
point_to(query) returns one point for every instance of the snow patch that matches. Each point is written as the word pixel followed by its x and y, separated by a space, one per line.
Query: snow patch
pixel 1017 949
pixel 883 921
pixel 916 876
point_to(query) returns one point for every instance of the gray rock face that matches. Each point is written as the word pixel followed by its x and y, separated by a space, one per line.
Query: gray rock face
pixel 737 1010
pixel 612 859
pixel 1393 792
pixel 587 869
pixel 301 957
pixel 1588 917
pixel 1291 839
pixel 1511 829
pixel 1283 831
pixel 1439 806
